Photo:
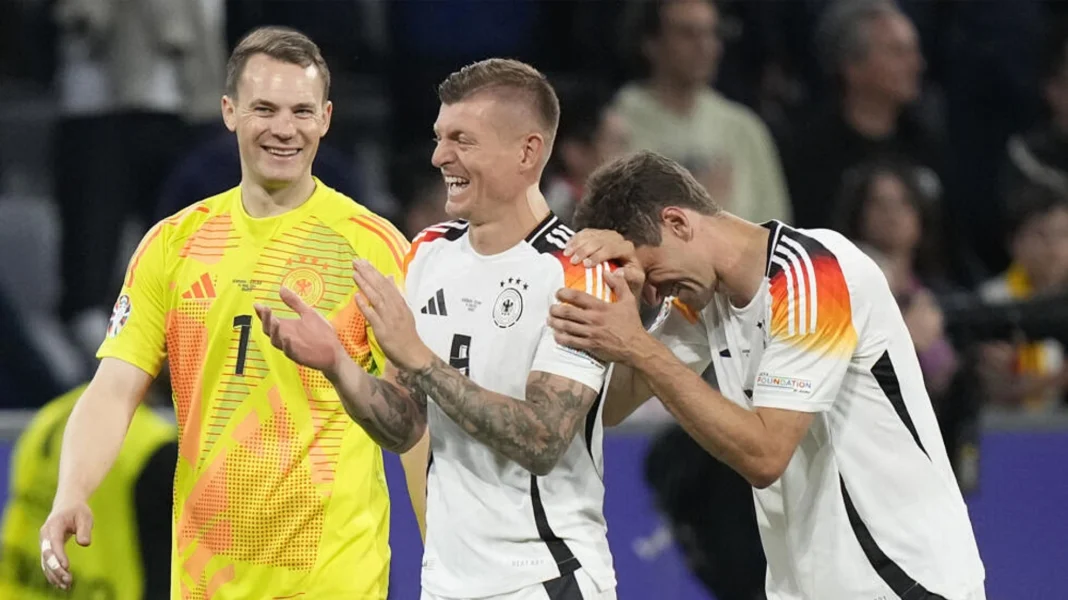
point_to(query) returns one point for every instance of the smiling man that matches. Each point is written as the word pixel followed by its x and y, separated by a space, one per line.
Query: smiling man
pixel 514 480
pixel 277 492
pixel 821 406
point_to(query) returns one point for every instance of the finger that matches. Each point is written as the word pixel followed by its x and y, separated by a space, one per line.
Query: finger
pixel 293 301
pixel 570 341
pixel 84 528
pixel 581 249
pixel 264 313
pixel 579 299
pixel 569 312
pixel 570 328
pixel 277 339
pixel 54 561
pixel 369 312
pixel 366 280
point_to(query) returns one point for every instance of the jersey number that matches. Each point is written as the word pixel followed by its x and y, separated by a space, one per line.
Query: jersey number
pixel 244 323
pixel 459 356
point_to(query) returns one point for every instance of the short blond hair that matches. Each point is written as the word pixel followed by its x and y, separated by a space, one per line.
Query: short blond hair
pixel 282 44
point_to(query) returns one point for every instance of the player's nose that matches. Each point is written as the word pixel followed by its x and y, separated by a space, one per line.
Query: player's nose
pixel 282 126
pixel 442 156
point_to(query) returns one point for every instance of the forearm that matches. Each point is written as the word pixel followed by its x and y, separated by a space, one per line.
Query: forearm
pixel 92 440
pixel 393 416
pixel 512 428
pixel 627 391
pixel 732 434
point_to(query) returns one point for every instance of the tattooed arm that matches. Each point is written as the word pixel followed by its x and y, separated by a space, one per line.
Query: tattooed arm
pixel 391 409
pixel 535 433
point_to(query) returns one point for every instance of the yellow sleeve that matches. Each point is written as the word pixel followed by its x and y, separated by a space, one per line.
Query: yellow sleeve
pixel 136 330
pixel 381 244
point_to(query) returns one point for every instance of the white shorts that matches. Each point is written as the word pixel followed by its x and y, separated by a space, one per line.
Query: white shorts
pixel 574 586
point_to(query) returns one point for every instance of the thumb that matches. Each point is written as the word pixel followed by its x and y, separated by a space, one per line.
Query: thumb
pixel 83 524
pixel 293 301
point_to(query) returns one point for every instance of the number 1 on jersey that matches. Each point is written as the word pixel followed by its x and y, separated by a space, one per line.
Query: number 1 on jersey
pixel 244 323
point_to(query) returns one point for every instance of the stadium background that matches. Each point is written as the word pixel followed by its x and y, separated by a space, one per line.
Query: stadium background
pixel 985 133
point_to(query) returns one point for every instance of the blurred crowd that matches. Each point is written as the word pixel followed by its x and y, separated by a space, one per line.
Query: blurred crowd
pixel 934 134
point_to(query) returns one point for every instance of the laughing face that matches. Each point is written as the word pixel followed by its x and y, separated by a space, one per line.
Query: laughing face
pixel 279 114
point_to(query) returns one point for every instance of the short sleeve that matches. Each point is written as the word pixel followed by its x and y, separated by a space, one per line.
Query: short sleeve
pixel 682 331
pixel 387 253
pixel 811 337
pixel 137 329
pixel 551 357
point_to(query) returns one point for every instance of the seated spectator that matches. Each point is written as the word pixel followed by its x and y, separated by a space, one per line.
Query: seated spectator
pixel 590 134
pixel 215 166
pixel 675 112
pixel 1032 374
pixel 883 211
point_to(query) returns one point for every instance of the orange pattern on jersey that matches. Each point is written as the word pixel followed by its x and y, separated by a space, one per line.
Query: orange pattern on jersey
pixel 792 312
pixel 423 237
pixel 211 240
pixel 187 340
pixel 688 313
pixel 591 280
pixel 380 227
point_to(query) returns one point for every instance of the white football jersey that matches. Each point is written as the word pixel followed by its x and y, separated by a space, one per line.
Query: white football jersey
pixel 492 526
pixel 868 507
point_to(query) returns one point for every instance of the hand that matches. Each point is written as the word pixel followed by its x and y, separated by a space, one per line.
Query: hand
pixel 309 339
pixel 609 331
pixel 77 520
pixel 595 246
pixel 390 318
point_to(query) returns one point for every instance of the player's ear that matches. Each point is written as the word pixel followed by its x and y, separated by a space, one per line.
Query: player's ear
pixel 533 152
pixel 328 113
pixel 676 221
pixel 229 113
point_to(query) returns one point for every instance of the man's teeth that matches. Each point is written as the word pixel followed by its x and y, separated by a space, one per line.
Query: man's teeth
pixel 283 152
pixel 456 183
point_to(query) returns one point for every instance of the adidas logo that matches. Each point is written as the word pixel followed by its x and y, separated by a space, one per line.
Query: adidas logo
pixel 202 289
pixel 436 305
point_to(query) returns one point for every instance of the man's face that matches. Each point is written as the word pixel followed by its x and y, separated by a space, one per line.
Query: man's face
pixel 279 114
pixel 480 151
pixel 894 64
pixel 1041 248
pixel 688 46
pixel 674 269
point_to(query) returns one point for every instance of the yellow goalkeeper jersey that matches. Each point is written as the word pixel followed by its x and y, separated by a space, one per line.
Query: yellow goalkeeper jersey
pixel 278 494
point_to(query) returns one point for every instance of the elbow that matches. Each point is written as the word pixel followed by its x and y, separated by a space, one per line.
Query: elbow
pixel 764 473
pixel 543 463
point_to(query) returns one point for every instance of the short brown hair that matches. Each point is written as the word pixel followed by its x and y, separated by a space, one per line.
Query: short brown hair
pixel 282 44
pixel 628 194
pixel 503 74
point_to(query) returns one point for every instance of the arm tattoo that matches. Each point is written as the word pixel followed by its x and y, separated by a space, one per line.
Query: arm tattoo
pixel 534 433
pixel 392 412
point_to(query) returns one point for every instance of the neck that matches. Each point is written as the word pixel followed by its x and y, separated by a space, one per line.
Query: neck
pixel 510 226
pixel 741 255
pixel 261 201
pixel 869 115
pixel 676 96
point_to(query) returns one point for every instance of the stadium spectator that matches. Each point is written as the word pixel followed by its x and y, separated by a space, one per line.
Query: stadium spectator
pixel 822 405
pixel 675 111
pixel 591 133
pixel 123 125
pixel 871 52
pixel 277 492
pixel 1031 375
pixel 515 502
pixel 882 210
pixel 129 558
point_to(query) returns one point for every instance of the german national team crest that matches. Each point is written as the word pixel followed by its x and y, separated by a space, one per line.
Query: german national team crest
pixel 119 315
pixel 306 282
pixel 509 305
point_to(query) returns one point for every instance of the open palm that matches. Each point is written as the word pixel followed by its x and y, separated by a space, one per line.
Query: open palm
pixel 309 339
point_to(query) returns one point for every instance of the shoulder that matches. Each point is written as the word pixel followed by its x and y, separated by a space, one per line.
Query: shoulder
pixel 549 239
pixel 811 274
pixel 734 113
pixel 180 226
pixel 435 236
pixel 367 232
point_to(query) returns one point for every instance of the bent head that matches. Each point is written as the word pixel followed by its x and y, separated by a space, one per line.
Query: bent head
pixel 494 134
pixel 277 88
pixel 657 205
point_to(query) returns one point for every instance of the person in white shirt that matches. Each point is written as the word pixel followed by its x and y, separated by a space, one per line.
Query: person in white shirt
pixel 821 405
pixel 514 485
